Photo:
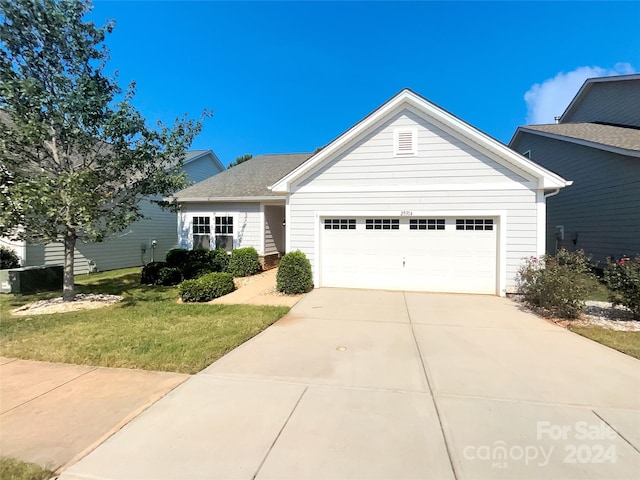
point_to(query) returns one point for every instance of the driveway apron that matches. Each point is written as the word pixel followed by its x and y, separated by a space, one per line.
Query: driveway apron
pixel 357 384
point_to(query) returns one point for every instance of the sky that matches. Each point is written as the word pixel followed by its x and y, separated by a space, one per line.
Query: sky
pixel 287 77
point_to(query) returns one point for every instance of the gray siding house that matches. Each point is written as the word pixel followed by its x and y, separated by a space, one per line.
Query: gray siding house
pixel 596 143
pixel 131 247
pixel 409 198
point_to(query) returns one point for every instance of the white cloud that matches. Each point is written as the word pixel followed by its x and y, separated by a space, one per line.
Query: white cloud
pixel 550 98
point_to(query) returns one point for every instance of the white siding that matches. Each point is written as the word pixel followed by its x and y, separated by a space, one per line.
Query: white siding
pixel 247 223
pixel 446 175
pixel 441 159
pixel 273 229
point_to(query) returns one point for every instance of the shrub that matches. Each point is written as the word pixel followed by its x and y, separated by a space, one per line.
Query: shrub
pixel 197 263
pixel 8 259
pixel 207 287
pixel 623 280
pixel 243 262
pixel 294 273
pixel 169 276
pixel 150 272
pixel 219 259
pixel 177 257
pixel 558 284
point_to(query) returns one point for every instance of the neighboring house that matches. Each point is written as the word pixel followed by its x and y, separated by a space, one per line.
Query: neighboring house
pixel 131 247
pixel 596 143
pixel 410 198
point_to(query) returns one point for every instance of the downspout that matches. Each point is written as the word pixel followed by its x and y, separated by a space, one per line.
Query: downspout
pixel 552 193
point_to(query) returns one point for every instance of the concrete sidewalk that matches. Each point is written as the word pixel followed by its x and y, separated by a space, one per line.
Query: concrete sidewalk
pixel 53 414
pixel 356 384
pixel 259 290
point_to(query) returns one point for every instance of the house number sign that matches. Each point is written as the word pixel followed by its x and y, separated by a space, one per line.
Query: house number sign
pixel 406 213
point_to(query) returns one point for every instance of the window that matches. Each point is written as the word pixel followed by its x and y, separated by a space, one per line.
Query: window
pixel 340 224
pixel 405 141
pixel 224 233
pixel 201 232
pixel 382 224
pixel 474 224
pixel 426 224
pixel 224 225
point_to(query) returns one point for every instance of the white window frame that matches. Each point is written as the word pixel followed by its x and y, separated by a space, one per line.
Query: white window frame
pixel 200 234
pixel 397 133
pixel 231 235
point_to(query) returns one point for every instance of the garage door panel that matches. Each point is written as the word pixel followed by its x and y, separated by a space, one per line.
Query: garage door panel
pixel 439 260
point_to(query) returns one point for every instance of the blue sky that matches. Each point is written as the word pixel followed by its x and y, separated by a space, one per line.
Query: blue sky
pixel 291 76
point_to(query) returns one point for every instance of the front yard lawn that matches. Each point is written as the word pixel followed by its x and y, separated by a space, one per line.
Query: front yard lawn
pixel 147 330
pixel 625 342
pixel 12 469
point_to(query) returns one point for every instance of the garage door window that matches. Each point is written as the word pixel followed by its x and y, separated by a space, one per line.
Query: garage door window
pixel 426 224
pixel 340 224
pixel 382 224
pixel 474 224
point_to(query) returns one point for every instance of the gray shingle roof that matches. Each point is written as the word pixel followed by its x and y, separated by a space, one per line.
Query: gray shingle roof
pixel 249 179
pixel 608 135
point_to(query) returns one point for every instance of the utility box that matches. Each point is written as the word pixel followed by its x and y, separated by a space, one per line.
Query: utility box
pixel 31 279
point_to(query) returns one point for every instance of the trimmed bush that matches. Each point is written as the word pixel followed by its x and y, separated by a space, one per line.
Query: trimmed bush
pixel 197 263
pixel 558 284
pixel 207 287
pixel 219 259
pixel 294 273
pixel 243 262
pixel 169 276
pixel 150 272
pixel 177 257
pixel 623 280
pixel 8 259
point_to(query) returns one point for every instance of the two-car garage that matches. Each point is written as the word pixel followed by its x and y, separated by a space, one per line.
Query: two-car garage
pixel 457 254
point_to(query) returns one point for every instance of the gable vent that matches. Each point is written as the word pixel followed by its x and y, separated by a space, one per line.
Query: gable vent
pixel 405 142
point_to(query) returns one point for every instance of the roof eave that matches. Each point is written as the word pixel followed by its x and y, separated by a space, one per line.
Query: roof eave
pixel 263 198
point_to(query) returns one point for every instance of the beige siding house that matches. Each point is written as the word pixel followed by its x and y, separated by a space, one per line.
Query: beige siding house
pixel 596 143
pixel 410 198
pixel 131 247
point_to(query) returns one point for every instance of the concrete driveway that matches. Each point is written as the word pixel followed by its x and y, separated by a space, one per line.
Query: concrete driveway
pixel 356 384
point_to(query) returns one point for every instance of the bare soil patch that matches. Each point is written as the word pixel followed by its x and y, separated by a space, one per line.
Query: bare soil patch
pixel 56 305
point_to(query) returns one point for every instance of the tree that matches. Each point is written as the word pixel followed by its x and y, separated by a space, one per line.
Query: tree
pixel 76 156
pixel 240 159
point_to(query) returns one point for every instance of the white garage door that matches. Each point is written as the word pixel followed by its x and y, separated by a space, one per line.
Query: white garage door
pixel 457 255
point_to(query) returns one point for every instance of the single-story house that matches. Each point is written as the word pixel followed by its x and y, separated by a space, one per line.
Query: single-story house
pixel 143 241
pixel 596 143
pixel 409 198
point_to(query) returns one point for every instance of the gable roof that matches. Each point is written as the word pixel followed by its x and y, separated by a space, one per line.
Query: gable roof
pixel 248 181
pixel 586 88
pixel 193 155
pixel 408 98
pixel 622 140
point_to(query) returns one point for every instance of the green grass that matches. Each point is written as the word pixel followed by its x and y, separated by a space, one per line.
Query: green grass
pixel 600 292
pixel 147 330
pixel 625 342
pixel 11 469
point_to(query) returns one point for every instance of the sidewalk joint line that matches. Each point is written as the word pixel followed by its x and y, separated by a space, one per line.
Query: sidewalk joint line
pixel 275 440
pixel 616 430
pixel 51 390
pixel 433 397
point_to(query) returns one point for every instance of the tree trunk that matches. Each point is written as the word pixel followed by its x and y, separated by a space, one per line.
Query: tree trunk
pixel 68 292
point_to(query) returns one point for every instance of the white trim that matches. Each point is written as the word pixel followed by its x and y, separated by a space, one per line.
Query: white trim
pixel 541 223
pixel 471 187
pixel 261 230
pixel 578 141
pixel 226 199
pixel 546 178
pixel 287 226
pixel 500 215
